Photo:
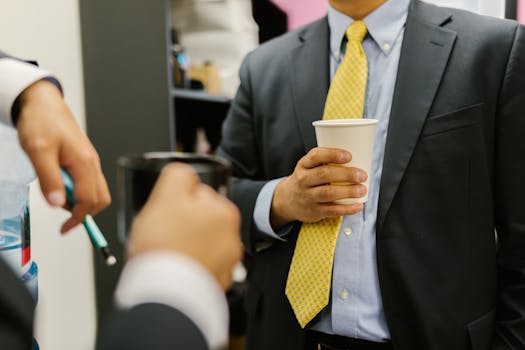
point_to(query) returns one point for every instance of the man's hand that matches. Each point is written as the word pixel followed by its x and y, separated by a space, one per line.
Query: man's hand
pixel 52 139
pixel 188 217
pixel 308 194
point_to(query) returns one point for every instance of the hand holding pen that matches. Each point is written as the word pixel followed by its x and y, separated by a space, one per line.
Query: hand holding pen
pixel 52 140
pixel 95 235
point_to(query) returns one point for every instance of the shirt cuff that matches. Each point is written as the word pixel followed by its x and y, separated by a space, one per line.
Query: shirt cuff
pixel 180 282
pixel 16 77
pixel 261 212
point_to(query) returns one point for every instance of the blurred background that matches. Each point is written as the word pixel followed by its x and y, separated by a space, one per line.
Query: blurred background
pixel 139 76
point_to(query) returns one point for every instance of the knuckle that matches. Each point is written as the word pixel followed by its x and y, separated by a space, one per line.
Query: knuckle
pixel 91 207
pixel 175 167
pixel 305 202
pixel 105 200
pixel 88 157
pixel 357 190
pixel 79 215
pixel 332 211
pixel 178 169
pixel 207 191
pixel 325 193
pixel 323 174
pixel 314 155
pixel 301 178
pixel 91 204
pixel 96 159
pixel 307 196
pixel 170 167
pixel 37 145
pixel 235 213
pixel 358 175
pixel 231 212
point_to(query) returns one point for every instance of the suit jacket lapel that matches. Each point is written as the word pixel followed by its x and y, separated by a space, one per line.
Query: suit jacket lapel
pixel 310 78
pixel 424 55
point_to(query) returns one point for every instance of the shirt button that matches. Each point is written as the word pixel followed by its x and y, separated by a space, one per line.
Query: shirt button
pixel 386 47
pixel 347 231
pixel 343 295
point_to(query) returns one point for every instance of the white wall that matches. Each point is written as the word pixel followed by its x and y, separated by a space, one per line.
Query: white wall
pixel 486 7
pixel 49 32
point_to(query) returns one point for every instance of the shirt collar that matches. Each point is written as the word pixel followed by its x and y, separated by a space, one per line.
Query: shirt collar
pixel 384 25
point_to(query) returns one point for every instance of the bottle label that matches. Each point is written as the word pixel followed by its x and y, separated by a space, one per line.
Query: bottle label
pixel 26 235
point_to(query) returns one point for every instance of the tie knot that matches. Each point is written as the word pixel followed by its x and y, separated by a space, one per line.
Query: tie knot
pixel 356 31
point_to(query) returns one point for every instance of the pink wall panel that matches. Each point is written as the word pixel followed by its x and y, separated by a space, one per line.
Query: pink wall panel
pixel 302 11
pixel 521 11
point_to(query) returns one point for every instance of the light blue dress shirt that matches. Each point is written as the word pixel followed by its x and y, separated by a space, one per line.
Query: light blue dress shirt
pixel 356 308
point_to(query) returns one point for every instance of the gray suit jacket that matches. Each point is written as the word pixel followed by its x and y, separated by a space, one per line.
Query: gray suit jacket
pixel 452 175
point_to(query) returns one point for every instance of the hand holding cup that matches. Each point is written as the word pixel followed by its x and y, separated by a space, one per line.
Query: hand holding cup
pixel 309 193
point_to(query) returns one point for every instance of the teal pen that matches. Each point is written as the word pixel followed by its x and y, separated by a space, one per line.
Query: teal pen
pixel 95 235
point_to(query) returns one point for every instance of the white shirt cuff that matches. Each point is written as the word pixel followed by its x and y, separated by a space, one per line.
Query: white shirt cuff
pixel 261 212
pixel 180 282
pixel 16 77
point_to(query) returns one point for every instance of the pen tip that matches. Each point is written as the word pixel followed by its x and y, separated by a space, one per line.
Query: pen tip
pixel 111 260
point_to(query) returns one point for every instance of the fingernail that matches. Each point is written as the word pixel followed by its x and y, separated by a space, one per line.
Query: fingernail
pixel 343 157
pixel 56 198
pixel 361 176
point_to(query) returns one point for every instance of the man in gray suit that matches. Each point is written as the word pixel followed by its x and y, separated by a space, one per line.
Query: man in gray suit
pixel 418 266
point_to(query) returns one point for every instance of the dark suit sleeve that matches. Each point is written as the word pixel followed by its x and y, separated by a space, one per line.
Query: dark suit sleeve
pixel 509 201
pixel 16 311
pixel 151 327
pixel 239 145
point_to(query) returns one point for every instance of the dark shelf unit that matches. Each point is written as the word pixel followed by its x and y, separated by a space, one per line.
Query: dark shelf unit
pixel 128 96
pixel 195 110
pixel 199 95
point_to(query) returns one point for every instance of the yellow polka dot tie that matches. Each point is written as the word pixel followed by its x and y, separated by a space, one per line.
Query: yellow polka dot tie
pixel 310 275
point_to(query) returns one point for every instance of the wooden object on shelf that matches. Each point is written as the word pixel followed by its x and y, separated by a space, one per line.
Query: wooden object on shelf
pixel 208 74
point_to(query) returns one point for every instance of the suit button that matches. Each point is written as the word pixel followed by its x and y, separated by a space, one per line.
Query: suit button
pixel 344 294
pixel 347 231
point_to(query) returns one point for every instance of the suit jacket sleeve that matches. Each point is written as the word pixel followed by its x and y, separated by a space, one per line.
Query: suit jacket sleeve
pixel 239 145
pixel 152 327
pixel 16 311
pixel 509 198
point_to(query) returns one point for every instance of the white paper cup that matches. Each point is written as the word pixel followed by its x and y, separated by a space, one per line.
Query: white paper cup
pixel 354 135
